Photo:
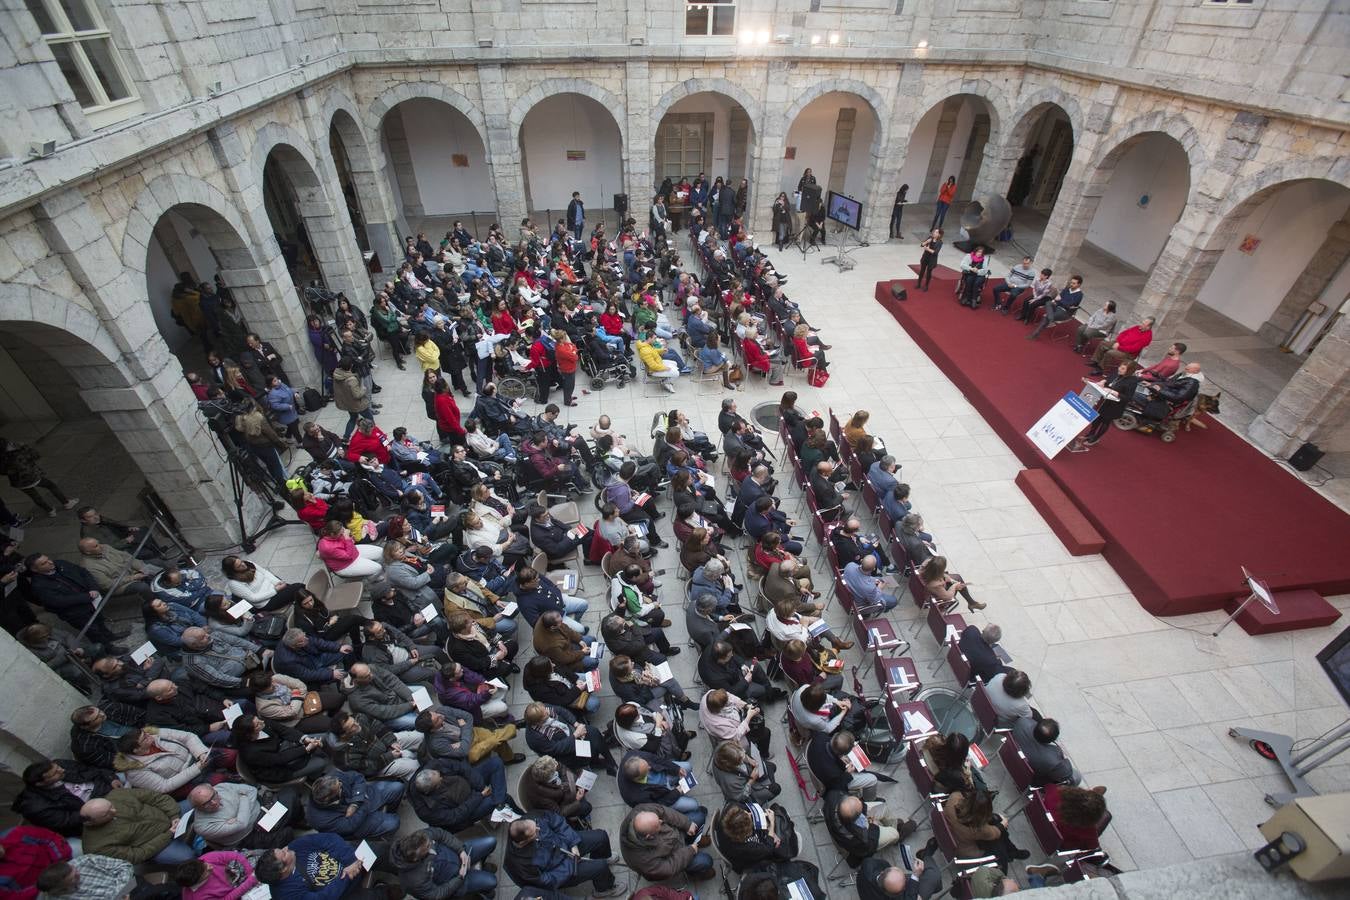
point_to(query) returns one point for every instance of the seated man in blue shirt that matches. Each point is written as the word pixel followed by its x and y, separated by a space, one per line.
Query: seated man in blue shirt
pixel 868 597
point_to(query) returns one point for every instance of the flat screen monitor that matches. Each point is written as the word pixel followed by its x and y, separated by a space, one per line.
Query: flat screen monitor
pixel 844 210
pixel 1335 660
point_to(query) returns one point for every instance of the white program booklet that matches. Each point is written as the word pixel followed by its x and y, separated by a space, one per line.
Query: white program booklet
pixel 663 672
pixel 273 815
pixel 239 609
pixel 366 855
pixel 232 712
pixel 142 653
pixel 183 822
pixel 421 698
pixel 586 780
pixel 429 612
pixel 583 748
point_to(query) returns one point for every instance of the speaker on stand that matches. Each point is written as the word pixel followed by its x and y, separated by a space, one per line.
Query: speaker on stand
pixel 621 206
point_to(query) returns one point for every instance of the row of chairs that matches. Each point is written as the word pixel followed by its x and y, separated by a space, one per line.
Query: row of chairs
pixel 900 682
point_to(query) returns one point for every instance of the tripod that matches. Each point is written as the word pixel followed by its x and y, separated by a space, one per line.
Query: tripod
pixel 246 472
pixel 805 244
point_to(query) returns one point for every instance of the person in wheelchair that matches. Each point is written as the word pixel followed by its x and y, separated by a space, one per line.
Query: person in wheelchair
pixel 412 455
pixel 1168 399
pixel 547 463
pixel 562 437
pixel 494 413
pixel 974 273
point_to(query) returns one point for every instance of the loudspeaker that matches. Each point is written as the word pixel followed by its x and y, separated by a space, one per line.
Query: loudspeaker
pixel 1306 457
pixel 810 198
pixel 898 292
pixel 621 204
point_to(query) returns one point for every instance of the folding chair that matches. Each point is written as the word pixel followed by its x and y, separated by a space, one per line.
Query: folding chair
pixel 985 714
pixel 939 623
pixel 836 432
pixel 895 717
pixel 960 666
pixel 338 596
pixel 1019 770
pixel 898 675
pixel 947 843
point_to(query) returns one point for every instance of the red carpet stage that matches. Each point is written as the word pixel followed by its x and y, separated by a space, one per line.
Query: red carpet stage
pixel 1178 519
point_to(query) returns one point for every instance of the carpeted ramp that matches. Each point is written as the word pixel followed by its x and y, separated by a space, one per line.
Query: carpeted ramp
pixel 1178 519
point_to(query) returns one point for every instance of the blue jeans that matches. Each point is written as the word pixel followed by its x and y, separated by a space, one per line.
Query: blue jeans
pixel 353 417
pixel 593 703
pixel 939 215
pixel 575 606
pixel 176 853
pixel 577 228
pixel 674 356
pixel 505 627
pixel 793 547
pixel 493 771
pixel 386 794
pixel 691 809
pixel 701 862
pixel 271 460
pixel 476 881
pixel 507 452
pixel 404 722
pixel 589 664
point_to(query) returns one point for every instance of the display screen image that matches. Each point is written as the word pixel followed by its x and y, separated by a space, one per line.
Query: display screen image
pixel 844 210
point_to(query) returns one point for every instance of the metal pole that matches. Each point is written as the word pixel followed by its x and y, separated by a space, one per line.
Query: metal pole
pixel 1237 612
pixel 1322 750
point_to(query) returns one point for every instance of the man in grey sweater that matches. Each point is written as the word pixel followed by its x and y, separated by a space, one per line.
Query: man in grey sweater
pixel 226 816
pixel 1018 280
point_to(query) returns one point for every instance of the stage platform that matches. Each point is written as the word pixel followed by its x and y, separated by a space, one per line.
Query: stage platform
pixel 1178 519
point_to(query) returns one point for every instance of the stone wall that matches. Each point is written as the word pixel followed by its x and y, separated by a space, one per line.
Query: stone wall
pixel 75 226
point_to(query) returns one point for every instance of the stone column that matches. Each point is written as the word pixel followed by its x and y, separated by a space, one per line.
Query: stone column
pixel 34 719
pixel 770 144
pixel 886 160
pixel 401 165
pixel 264 290
pixel 639 152
pixel 327 221
pixel 503 149
pixel 1329 259
pixel 1201 234
pixel 1082 190
pixel 1315 401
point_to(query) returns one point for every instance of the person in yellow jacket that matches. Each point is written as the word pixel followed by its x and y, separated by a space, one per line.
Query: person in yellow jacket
pixel 649 351
pixel 428 354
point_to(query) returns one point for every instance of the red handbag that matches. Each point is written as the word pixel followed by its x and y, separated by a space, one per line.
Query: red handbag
pixel 819 377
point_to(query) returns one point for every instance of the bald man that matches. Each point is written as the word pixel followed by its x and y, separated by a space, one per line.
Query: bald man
pixel 655 841
pixel 137 826
pixel 878 880
pixel 106 563
pixel 226 816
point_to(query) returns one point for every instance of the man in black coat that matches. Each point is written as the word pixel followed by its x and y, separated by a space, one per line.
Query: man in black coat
pixel 756 485
pixel 978 647
pixel 878 880
pixel 720 667
pixel 551 536
pixel 648 778
pixel 186 708
pixel 70 593
pixel 125 681
pixel 828 498
pixel 55 790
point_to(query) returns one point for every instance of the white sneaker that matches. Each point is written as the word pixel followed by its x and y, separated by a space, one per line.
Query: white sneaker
pixel 72 503
pixel 670 388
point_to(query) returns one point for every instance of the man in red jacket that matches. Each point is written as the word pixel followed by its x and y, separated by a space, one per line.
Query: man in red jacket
pixel 1127 345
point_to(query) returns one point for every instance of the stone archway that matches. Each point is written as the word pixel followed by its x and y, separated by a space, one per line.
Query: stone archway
pixel 841 172
pixel 216 230
pixel 435 153
pixel 138 395
pixel 297 201
pixel 1034 160
pixel 715 119
pixel 570 141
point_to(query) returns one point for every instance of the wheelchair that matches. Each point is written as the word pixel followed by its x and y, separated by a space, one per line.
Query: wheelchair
pixel 969 288
pixel 602 370
pixel 1148 413
pixel 513 380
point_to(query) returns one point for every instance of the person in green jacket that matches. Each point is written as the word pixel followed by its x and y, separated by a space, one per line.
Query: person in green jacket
pixel 137 826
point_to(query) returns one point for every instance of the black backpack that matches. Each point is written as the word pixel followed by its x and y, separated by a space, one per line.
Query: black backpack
pixel 314 401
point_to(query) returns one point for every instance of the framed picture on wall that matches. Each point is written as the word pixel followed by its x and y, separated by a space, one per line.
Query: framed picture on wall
pixel 576 155
pixel 459 160
pixel 790 153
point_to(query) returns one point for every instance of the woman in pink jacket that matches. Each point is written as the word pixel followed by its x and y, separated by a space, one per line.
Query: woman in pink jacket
pixel 344 557
pixel 217 875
